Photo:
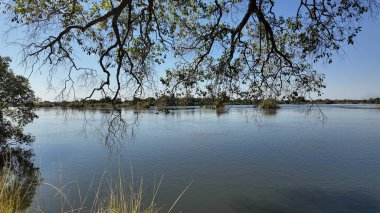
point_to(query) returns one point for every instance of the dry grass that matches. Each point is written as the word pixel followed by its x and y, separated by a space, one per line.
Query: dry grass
pixel 120 197
pixel 14 191
pixel 123 197
pixel 10 196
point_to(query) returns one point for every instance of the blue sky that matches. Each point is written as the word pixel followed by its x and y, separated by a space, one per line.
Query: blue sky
pixel 354 74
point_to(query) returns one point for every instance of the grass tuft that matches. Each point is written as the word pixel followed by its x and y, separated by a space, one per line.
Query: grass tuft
pixel 15 191
pixel 124 198
pixel 10 196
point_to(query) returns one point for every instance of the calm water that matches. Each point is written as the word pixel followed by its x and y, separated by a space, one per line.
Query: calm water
pixel 239 161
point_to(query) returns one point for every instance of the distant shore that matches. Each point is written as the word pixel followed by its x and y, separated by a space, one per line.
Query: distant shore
pixel 183 102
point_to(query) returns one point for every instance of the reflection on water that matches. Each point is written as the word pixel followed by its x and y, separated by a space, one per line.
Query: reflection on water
pixel 269 112
pixel 287 163
pixel 19 177
pixel 221 110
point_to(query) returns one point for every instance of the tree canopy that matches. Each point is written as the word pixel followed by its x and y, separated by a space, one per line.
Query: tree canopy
pixel 16 105
pixel 249 49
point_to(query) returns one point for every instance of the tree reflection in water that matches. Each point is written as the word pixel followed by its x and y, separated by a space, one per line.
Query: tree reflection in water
pixel 269 112
pixel 113 127
pixel 221 110
pixel 19 178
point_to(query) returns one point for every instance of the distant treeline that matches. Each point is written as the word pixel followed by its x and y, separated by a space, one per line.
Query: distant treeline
pixel 164 101
pixel 329 101
pixel 143 103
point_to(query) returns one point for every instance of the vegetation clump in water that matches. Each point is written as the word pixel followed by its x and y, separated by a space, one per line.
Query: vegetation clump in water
pixel 269 104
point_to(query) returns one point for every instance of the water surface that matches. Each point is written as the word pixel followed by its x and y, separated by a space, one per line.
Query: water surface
pixel 238 161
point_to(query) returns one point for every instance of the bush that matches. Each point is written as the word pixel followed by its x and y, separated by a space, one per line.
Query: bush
pixel 269 104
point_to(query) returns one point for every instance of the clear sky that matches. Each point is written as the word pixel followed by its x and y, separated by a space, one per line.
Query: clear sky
pixel 354 74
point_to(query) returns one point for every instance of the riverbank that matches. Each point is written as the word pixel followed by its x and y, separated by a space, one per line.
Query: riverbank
pixel 182 102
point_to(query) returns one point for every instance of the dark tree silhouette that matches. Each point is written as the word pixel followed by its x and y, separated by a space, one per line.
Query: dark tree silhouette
pixel 16 106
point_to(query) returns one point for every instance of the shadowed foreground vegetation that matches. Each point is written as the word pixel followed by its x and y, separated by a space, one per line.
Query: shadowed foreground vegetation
pixel 17 191
pixel 12 193
pixel 19 178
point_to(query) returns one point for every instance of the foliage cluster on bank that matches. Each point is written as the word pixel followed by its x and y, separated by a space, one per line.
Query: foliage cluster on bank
pixel 16 105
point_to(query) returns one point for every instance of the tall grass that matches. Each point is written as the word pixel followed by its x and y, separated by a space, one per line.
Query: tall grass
pixel 123 197
pixel 119 196
pixel 10 196
pixel 15 192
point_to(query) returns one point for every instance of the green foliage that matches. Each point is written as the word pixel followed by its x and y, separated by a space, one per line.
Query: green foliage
pixel 221 100
pixel 16 105
pixel 18 175
pixel 260 51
